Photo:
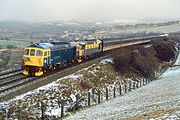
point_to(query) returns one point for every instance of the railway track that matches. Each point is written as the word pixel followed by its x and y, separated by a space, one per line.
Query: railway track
pixel 21 80
pixel 9 74
pixel 9 84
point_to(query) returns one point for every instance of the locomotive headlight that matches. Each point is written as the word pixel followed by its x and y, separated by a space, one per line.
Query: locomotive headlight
pixel 26 59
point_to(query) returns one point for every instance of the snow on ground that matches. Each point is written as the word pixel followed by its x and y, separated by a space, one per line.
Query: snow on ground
pixel 53 84
pixel 64 88
pixel 162 94
pixel 108 60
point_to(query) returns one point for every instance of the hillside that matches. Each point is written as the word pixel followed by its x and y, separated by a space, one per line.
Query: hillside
pixel 159 100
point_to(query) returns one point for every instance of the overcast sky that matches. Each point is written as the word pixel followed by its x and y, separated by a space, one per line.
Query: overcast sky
pixel 53 10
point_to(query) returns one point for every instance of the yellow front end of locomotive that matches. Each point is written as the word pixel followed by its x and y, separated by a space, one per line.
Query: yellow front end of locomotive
pixel 34 61
pixel 33 57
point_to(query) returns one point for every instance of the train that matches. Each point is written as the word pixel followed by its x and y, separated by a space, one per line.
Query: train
pixel 40 58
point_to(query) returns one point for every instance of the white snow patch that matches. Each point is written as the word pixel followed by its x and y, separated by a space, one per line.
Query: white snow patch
pixel 92 72
pixel 108 60
pixel 172 117
pixel 54 112
pixel 73 97
pixel 74 76
pixel 171 71
pixel 51 85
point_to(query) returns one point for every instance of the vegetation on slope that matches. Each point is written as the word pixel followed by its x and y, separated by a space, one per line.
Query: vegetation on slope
pixel 146 60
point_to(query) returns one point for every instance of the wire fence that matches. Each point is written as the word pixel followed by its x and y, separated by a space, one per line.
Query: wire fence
pixel 96 96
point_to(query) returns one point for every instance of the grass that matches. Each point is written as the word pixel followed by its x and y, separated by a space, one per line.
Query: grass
pixel 21 43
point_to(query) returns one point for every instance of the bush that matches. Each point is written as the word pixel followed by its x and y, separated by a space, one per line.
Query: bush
pixel 165 50
pixel 144 62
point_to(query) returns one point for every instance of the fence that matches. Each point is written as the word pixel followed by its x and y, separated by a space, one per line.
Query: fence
pixel 96 96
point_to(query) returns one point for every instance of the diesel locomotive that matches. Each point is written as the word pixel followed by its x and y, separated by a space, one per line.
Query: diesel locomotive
pixel 40 58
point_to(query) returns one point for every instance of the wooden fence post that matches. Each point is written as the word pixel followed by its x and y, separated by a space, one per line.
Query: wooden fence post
pixel 129 86
pixel 107 94
pixel 99 96
pixel 137 86
pixel 93 94
pixel 114 95
pixel 89 99
pixel 77 103
pixel 146 81
pixel 62 108
pixel 120 91
pixel 134 87
pixel 42 110
pixel 125 87
pixel 19 112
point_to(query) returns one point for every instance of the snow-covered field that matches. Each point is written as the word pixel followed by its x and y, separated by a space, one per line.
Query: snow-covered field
pixel 158 100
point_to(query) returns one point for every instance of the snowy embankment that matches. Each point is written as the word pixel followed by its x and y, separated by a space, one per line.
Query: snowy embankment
pixel 157 100
pixel 65 88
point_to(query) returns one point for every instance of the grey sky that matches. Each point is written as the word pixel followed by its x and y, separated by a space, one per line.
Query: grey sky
pixel 47 10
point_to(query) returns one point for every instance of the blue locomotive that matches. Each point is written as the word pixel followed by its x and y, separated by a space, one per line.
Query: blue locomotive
pixel 42 57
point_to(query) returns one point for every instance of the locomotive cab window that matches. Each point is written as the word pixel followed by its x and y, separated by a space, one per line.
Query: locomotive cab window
pixel 26 52
pixel 45 53
pixel 39 53
pixel 32 52
pixel 78 47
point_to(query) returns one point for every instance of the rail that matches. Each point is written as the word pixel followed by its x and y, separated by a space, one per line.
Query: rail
pixel 9 72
